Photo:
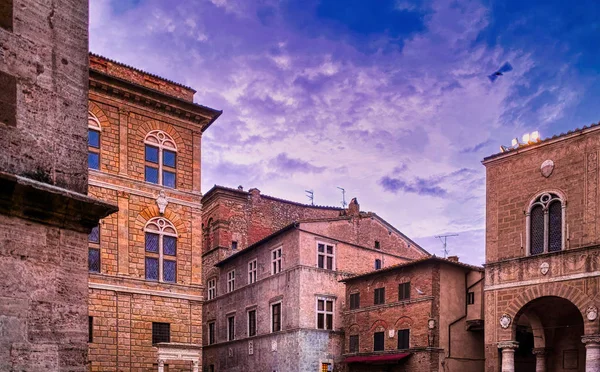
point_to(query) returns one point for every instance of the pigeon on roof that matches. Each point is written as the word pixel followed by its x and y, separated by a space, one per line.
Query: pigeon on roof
pixel 505 68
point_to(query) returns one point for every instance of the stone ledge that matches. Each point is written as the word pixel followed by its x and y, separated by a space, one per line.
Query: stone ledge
pixel 51 205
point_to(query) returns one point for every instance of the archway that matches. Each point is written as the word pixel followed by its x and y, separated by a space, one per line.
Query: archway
pixel 548 330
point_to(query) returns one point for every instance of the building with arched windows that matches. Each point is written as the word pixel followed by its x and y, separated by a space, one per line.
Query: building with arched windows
pixel 145 272
pixel 542 272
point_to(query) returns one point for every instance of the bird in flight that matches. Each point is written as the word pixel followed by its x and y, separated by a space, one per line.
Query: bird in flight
pixel 505 68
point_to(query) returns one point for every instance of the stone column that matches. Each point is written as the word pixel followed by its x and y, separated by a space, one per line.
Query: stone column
pixel 540 359
pixel 508 355
pixel 592 352
pixel 196 366
pixel 161 365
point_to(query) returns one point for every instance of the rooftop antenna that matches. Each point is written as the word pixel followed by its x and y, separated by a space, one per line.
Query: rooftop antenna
pixel 310 194
pixel 344 204
pixel 443 239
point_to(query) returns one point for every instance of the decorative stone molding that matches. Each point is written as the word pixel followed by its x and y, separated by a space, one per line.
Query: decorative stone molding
pixel 162 202
pixel 508 345
pixel 592 313
pixel 546 168
pixel 544 268
pixel 540 351
pixel 505 321
pixel 591 339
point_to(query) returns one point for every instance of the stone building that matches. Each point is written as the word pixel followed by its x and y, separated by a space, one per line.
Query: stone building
pixel 424 315
pixel 45 213
pixel 276 304
pixel 145 263
pixel 542 272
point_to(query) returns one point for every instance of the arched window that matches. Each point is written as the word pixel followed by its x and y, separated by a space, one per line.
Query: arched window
pixel 545 224
pixel 94 130
pixel 161 158
pixel 161 250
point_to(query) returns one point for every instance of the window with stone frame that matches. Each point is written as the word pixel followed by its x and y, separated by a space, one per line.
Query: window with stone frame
pixel 378 341
pixel 252 271
pixel 404 339
pixel 231 281
pixel 353 344
pixel 251 322
pixel 379 296
pixel 325 313
pixel 545 224
pixel 231 328
pixel 212 288
pixel 211 333
pixel 161 332
pixel 404 291
pixel 161 250
pixel 94 130
pixel 470 298
pixel 276 260
pixel 160 154
pixel 354 300
pixel 325 256
pixel 94 250
pixel 276 317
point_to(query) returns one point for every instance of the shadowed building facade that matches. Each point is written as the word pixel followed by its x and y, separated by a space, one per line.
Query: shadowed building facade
pixel 145 262
pixel 542 272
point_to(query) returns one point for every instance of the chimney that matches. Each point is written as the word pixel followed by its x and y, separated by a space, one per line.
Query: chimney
pixel 353 208
pixel 453 258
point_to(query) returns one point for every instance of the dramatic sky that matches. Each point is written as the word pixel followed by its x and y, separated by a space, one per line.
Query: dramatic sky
pixel 388 99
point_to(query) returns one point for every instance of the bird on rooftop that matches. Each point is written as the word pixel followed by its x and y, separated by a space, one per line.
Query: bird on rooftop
pixel 505 68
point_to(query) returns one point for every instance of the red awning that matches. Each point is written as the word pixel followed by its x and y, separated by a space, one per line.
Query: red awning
pixel 376 358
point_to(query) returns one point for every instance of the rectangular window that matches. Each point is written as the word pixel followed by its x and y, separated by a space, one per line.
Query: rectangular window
pixel 161 332
pixel 377 246
pixel 231 281
pixel 94 250
pixel 151 154
pixel 169 271
pixel 353 345
pixel 276 317
pixel 324 313
pixel 252 271
pixel 168 179
pixel 234 245
pixel 404 291
pixel 212 289
pixel 377 264
pixel 354 301
pixel 470 298
pixel 211 333
pixel 403 339
pixel 378 344
pixel 93 149
pixel 90 329
pixel 6 16
pixel 379 296
pixel 8 82
pixel 276 261
pixel 151 268
pixel 251 323
pixel 230 328
pixel 93 160
pixel 169 158
pixel 151 174
pixel 94 235
pixel 325 256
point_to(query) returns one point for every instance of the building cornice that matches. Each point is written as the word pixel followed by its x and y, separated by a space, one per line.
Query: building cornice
pixel 144 291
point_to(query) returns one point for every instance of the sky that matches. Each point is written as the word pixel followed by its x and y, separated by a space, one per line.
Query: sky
pixel 388 99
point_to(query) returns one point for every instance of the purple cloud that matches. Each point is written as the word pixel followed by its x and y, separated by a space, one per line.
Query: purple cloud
pixel 419 186
pixel 283 163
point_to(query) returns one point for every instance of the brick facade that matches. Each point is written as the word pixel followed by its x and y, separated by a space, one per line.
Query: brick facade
pixel 129 104
pixel 45 214
pixel 519 284
pixel 432 307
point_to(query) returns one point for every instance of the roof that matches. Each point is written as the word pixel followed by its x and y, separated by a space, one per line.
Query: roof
pixel 557 137
pixel 216 188
pixel 143 72
pixel 413 263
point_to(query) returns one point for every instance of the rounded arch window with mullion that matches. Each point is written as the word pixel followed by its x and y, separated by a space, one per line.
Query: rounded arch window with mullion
pixel 161 250
pixel 160 155
pixel 545 221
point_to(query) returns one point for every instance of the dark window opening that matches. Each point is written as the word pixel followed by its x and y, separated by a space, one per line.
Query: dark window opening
pixel 8 93
pixel 403 339
pixel 353 348
pixel 94 260
pixel 470 298
pixel 555 227
pixel 537 230
pixel 378 344
pixel 354 301
pixel 234 245
pixel 90 329
pixel 161 332
pixel 230 328
pixel 252 323
pixel 404 291
pixel 94 235
pixel 6 17
pixel 377 246
pixel 377 264
pixel 211 333
pixel 379 296
pixel 276 317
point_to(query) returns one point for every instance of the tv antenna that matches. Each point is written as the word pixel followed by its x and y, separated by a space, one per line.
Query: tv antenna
pixel 344 204
pixel 443 239
pixel 310 194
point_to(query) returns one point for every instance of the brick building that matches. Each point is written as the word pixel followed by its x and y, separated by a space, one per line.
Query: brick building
pixel 145 263
pixel 421 315
pixel 45 213
pixel 543 256
pixel 274 301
